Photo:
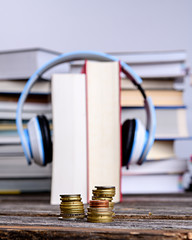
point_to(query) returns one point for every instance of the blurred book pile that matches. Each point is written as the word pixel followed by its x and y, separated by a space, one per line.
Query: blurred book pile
pixel 164 77
pixel 15 69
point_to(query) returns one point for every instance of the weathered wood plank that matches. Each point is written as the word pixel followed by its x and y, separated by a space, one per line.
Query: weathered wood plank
pixel 20 232
pixel 137 217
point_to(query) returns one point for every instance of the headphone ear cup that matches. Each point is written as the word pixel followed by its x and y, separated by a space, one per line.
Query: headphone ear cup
pixel 40 140
pixel 134 139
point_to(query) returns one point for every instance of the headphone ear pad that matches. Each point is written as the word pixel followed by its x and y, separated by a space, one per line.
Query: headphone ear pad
pixel 46 136
pixel 134 139
pixel 40 140
pixel 128 129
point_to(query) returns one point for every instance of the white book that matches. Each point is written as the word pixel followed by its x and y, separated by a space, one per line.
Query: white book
pixel 9 149
pixel 145 57
pixel 171 122
pixel 151 70
pixel 150 64
pixel 69 173
pixel 164 166
pixel 160 70
pixel 152 57
pixel 17 167
pixel 152 184
pixel 21 64
pixel 10 139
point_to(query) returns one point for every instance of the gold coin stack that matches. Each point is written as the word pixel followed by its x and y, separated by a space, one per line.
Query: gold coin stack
pixel 99 212
pixel 104 193
pixel 71 207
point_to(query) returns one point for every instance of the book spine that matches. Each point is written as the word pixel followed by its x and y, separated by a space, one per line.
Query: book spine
pixel 84 70
pixel 121 153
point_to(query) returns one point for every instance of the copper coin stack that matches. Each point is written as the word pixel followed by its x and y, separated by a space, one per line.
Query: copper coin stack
pixel 71 207
pixel 104 193
pixel 99 212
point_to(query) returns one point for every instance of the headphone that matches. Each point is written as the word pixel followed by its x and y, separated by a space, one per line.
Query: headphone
pixel 36 138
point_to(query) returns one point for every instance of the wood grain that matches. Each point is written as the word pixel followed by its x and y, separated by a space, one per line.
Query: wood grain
pixel 137 217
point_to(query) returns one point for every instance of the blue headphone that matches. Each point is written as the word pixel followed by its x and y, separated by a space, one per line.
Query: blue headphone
pixel 36 139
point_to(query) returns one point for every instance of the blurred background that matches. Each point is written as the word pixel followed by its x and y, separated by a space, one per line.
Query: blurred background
pixel 125 27
pixel 109 26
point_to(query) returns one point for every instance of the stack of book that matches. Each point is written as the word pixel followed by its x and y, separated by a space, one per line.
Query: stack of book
pixel 164 79
pixel 163 75
pixel 15 68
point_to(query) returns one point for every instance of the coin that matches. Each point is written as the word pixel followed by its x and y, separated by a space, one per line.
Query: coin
pixel 99 203
pixel 72 211
pixel 102 198
pixel 72 203
pixel 102 193
pixel 105 187
pixel 94 212
pixel 71 207
pixel 72 197
pixel 102 219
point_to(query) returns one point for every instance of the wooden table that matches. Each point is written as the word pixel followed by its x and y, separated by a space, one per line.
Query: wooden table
pixel 30 216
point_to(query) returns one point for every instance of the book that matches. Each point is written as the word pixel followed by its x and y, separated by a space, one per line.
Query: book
pixel 150 64
pixel 159 97
pixel 16 166
pixel 171 121
pixel 17 185
pixel 31 98
pixel 9 125
pixel 11 115
pixel 21 64
pixel 182 148
pixel 35 104
pixel 7 150
pixel 156 84
pixel 104 127
pixel 151 184
pixel 152 57
pixel 16 87
pixel 28 107
pixel 163 70
pixel 162 149
pixel 86 150
pixel 164 166
pixel 10 139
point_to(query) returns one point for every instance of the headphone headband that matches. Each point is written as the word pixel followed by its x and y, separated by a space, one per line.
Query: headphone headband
pixel 88 55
